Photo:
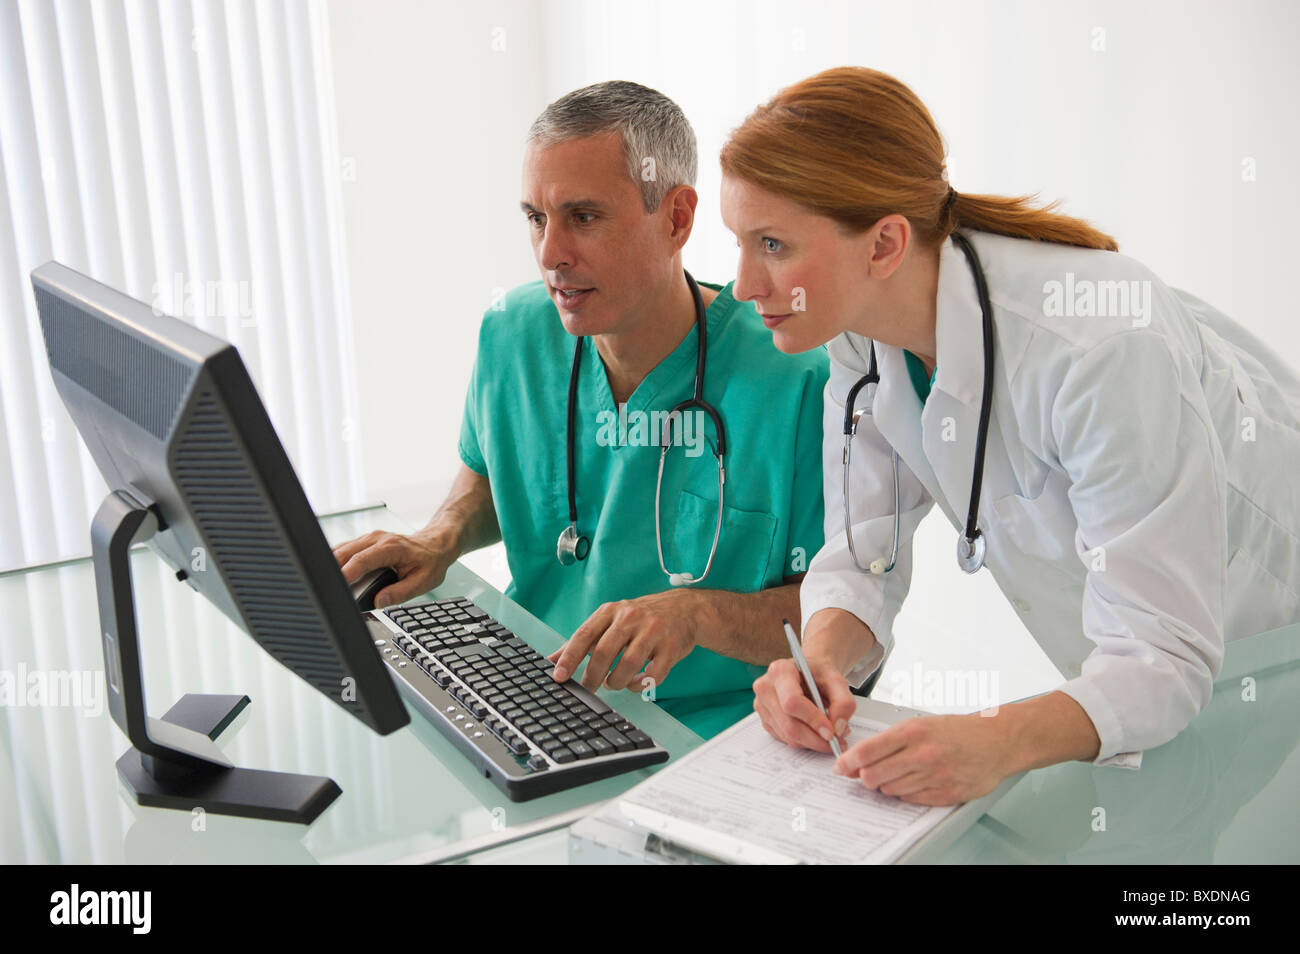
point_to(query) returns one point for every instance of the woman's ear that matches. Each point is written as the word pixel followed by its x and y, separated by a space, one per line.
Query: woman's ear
pixel 887 244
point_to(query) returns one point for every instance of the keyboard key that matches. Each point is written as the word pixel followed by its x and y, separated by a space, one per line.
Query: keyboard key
pixel 581 749
pixel 640 739
pixel 618 740
pixel 563 754
pixel 599 746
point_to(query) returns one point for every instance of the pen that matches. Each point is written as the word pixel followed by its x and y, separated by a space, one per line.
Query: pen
pixel 802 663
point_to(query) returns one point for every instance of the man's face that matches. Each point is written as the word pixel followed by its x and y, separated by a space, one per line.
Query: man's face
pixel 598 250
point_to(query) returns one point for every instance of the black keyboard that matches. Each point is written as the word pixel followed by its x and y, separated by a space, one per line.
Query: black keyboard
pixel 492 695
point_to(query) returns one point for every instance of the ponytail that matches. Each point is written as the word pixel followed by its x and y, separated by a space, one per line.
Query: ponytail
pixel 855 144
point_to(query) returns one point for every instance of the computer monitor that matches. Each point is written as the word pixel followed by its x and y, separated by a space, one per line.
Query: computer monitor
pixel 194 467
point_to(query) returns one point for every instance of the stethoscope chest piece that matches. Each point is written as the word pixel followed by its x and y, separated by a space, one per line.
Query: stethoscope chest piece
pixel 970 551
pixel 572 546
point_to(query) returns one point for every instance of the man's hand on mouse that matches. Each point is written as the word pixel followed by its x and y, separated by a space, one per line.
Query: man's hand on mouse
pixel 421 563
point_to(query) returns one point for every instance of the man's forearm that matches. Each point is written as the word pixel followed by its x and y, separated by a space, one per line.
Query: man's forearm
pixel 467 519
pixel 747 626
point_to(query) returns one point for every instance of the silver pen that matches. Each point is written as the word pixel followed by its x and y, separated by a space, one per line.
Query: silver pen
pixel 802 663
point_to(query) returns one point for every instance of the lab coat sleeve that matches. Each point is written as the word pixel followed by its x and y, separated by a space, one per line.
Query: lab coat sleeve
pixel 833 580
pixel 1149 497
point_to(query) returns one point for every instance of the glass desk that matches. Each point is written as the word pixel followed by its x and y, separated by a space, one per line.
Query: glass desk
pixel 1226 790
pixel 408 796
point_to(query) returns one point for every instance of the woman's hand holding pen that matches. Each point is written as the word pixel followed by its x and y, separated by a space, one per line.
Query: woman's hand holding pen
pixel 832 641
pixel 786 709
pixel 930 760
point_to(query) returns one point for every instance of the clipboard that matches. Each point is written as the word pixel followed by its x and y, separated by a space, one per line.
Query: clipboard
pixel 623 831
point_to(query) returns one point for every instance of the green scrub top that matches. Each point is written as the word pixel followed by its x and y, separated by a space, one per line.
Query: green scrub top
pixel 916 371
pixel 513 432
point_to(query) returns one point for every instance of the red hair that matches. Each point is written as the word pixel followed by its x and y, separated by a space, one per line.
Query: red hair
pixel 856 145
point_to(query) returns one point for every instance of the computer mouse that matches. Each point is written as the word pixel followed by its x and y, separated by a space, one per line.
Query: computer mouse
pixel 365 589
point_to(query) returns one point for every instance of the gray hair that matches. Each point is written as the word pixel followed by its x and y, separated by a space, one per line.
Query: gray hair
pixel 658 142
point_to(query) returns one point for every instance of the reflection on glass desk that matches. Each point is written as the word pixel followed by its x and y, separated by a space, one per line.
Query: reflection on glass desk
pixel 407 796
pixel 1223 791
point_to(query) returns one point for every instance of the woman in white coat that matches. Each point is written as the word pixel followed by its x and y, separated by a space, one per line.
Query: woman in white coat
pixel 1140 497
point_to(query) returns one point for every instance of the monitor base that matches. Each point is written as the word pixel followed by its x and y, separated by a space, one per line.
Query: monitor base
pixel 247 793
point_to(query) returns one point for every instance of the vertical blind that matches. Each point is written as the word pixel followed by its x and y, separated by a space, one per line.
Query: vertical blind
pixel 185 154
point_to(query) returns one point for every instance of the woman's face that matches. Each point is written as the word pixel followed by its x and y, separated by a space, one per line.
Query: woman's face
pixel 807 276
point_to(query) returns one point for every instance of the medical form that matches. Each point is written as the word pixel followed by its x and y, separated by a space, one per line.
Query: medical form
pixel 745 797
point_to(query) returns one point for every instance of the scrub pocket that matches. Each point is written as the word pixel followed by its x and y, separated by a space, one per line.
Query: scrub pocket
pixel 744 547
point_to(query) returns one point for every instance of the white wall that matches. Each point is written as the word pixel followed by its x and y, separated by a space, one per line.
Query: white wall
pixel 432 113
pixel 1139 115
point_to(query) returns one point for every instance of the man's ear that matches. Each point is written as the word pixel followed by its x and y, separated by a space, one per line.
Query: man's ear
pixel 887 243
pixel 680 204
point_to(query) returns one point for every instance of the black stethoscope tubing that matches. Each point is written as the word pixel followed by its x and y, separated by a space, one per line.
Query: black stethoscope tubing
pixel 970 547
pixel 579 544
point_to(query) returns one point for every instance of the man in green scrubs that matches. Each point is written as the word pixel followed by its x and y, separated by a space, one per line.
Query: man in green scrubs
pixel 609 203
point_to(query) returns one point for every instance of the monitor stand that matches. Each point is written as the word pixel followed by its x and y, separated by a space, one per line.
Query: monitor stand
pixel 174 761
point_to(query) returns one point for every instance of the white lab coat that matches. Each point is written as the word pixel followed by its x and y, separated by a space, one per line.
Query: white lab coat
pixel 1141 496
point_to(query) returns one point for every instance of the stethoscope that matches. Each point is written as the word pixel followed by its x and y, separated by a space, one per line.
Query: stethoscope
pixel 572 545
pixel 971 545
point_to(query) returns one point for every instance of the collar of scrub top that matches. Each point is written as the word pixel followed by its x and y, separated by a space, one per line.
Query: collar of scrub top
pixel 971 546
pixel 572 545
